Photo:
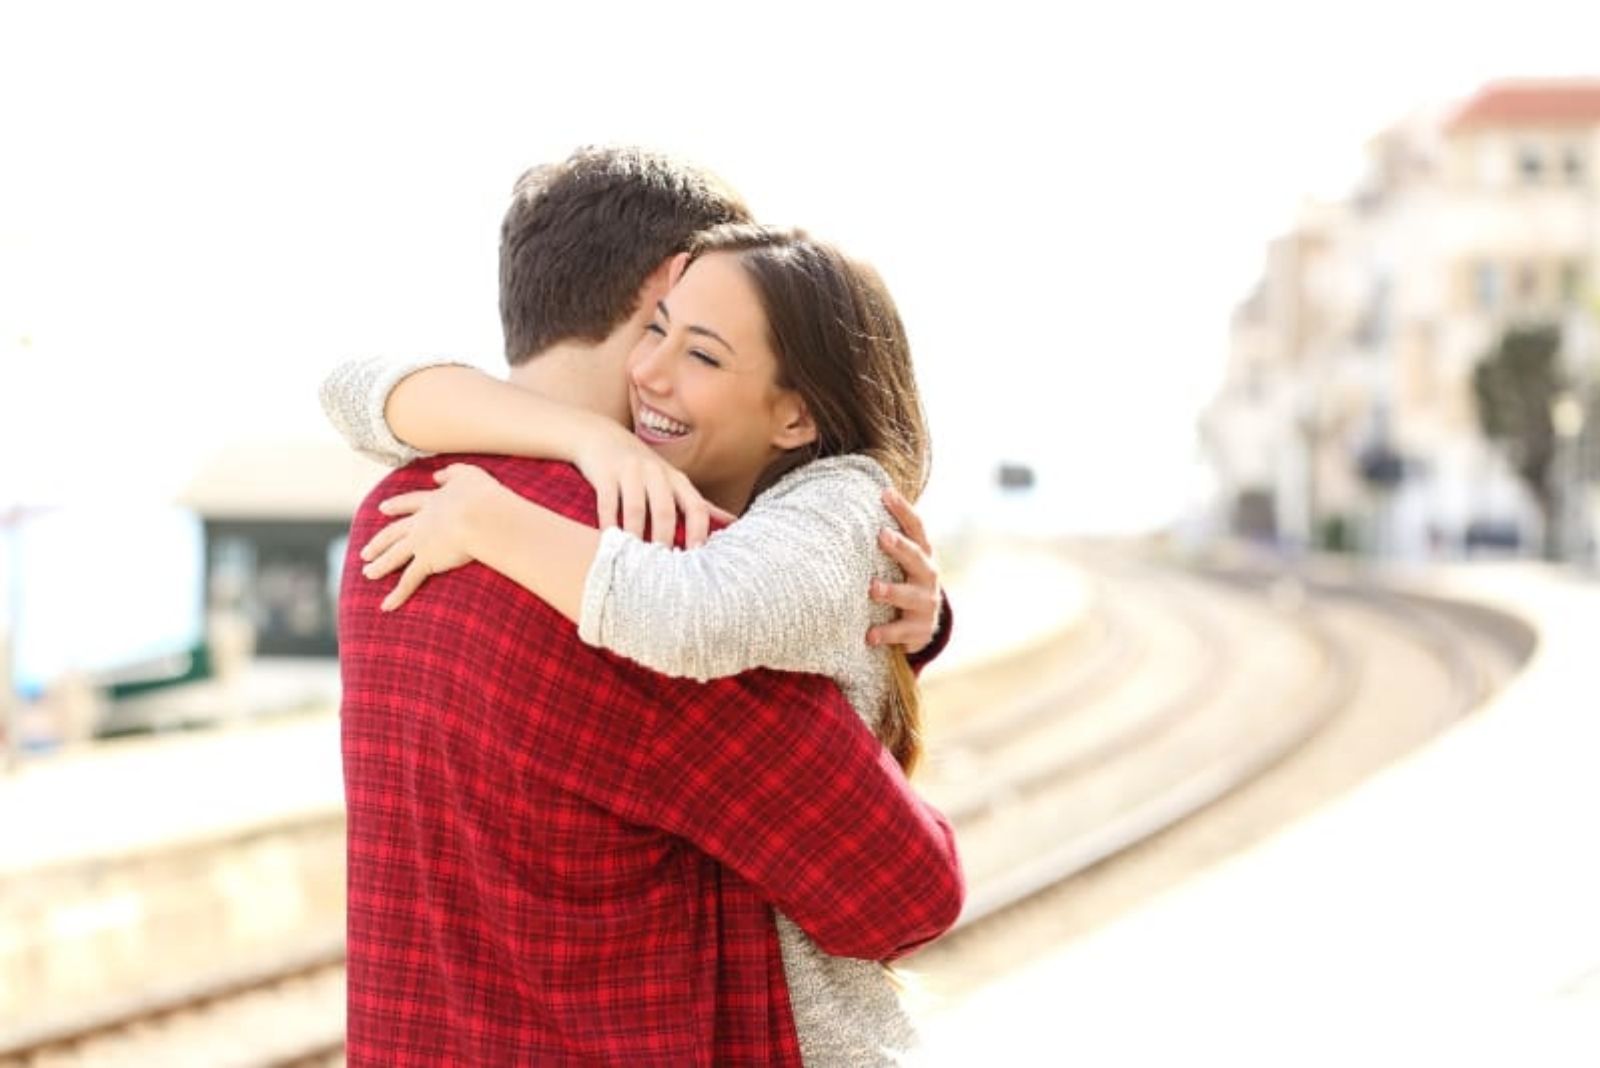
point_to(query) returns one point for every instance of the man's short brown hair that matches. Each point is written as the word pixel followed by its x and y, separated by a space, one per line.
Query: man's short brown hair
pixel 581 236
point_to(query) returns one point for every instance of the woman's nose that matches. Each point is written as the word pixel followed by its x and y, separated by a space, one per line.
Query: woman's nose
pixel 650 367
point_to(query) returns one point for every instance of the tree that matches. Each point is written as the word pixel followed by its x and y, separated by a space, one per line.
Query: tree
pixel 1515 384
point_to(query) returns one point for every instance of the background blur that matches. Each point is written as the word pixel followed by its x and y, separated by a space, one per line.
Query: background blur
pixel 1300 278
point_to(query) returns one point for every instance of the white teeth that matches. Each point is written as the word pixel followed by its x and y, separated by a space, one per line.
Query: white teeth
pixel 660 423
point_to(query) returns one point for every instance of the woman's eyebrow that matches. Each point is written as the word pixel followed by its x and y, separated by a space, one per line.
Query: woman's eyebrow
pixel 703 331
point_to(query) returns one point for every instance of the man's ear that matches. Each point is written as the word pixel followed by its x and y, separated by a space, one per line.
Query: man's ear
pixel 795 425
pixel 662 279
pixel 675 268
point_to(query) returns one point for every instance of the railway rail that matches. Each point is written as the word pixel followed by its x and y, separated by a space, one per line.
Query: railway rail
pixel 282 1013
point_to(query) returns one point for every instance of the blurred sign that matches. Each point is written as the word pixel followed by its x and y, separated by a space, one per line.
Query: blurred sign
pixel 1015 477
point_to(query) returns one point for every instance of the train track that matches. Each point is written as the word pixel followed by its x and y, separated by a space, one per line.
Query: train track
pixel 1179 716
pixel 1391 671
pixel 282 1013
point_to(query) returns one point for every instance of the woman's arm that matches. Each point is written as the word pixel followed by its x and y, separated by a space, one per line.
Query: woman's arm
pixel 784 587
pixel 396 411
pixel 455 408
pixel 472 516
pixel 354 395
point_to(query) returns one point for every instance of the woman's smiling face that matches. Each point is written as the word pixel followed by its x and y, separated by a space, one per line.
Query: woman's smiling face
pixel 703 383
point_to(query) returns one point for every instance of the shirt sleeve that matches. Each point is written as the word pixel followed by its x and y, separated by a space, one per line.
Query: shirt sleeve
pixel 783 587
pixel 809 808
pixel 354 395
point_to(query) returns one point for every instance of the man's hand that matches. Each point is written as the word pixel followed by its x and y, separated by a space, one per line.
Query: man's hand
pixel 918 597
pixel 629 477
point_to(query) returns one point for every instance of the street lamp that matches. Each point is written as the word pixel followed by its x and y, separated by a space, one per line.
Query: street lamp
pixel 1566 415
pixel 1566 420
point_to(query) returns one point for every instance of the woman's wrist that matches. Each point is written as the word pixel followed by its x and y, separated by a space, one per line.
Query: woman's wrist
pixel 490 512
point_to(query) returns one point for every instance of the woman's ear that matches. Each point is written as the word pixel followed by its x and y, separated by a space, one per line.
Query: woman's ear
pixel 795 427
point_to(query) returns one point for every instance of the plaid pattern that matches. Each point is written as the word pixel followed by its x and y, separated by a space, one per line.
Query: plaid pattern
pixel 560 858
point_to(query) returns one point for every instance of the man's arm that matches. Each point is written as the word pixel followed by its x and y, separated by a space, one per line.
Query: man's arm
pixel 774 775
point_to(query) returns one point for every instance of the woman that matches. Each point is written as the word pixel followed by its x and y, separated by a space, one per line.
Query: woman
pixel 776 377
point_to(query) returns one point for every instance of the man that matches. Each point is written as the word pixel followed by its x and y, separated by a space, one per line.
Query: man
pixel 556 856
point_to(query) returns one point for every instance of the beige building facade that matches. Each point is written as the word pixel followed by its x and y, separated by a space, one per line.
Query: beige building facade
pixel 1348 413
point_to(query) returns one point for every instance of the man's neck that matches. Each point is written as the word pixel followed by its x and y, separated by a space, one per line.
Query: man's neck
pixel 578 373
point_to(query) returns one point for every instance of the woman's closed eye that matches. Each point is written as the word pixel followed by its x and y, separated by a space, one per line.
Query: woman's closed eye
pixel 705 357
pixel 656 328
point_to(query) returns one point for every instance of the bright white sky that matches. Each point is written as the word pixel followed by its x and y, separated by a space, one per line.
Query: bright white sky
pixel 201 209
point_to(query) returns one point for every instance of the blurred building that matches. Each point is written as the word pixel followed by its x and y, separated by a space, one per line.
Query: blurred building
pixel 244 566
pixel 1348 415
pixel 276 518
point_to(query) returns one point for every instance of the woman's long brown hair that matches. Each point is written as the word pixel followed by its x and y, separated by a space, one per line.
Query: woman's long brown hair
pixel 841 346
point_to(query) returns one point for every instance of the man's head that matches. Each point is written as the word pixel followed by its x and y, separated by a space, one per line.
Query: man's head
pixel 583 236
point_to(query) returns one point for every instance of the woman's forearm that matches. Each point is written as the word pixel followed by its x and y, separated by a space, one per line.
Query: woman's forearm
pixel 462 409
pixel 546 554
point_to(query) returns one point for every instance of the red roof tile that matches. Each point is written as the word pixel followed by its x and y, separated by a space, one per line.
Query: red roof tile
pixel 1573 102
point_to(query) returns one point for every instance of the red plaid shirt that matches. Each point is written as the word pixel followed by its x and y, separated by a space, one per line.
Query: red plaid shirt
pixel 558 857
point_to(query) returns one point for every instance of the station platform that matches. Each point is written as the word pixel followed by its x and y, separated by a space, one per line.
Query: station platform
pixel 1009 598
pixel 1446 912
pixel 273 755
pixel 145 864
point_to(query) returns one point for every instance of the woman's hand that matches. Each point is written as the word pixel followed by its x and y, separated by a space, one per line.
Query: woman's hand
pixel 918 597
pixel 628 477
pixel 436 532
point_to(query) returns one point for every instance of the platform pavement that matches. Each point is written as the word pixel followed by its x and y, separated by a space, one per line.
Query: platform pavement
pixel 135 794
pixel 1008 598
pixel 1446 912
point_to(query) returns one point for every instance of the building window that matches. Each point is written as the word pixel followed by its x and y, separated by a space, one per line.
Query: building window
pixel 282 576
pixel 1571 282
pixel 1573 164
pixel 1528 283
pixel 1486 286
pixel 1530 164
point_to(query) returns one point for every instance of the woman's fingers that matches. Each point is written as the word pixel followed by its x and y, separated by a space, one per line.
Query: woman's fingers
pixel 913 558
pixel 906 596
pixel 391 533
pixel 634 504
pixel 663 506
pixel 405 503
pixel 390 559
pixel 907 517
pixel 606 503
pixel 696 512
pixel 917 602
pixel 411 579
pixel 913 635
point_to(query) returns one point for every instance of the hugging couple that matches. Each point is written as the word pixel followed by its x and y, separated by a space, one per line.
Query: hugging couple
pixel 613 801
